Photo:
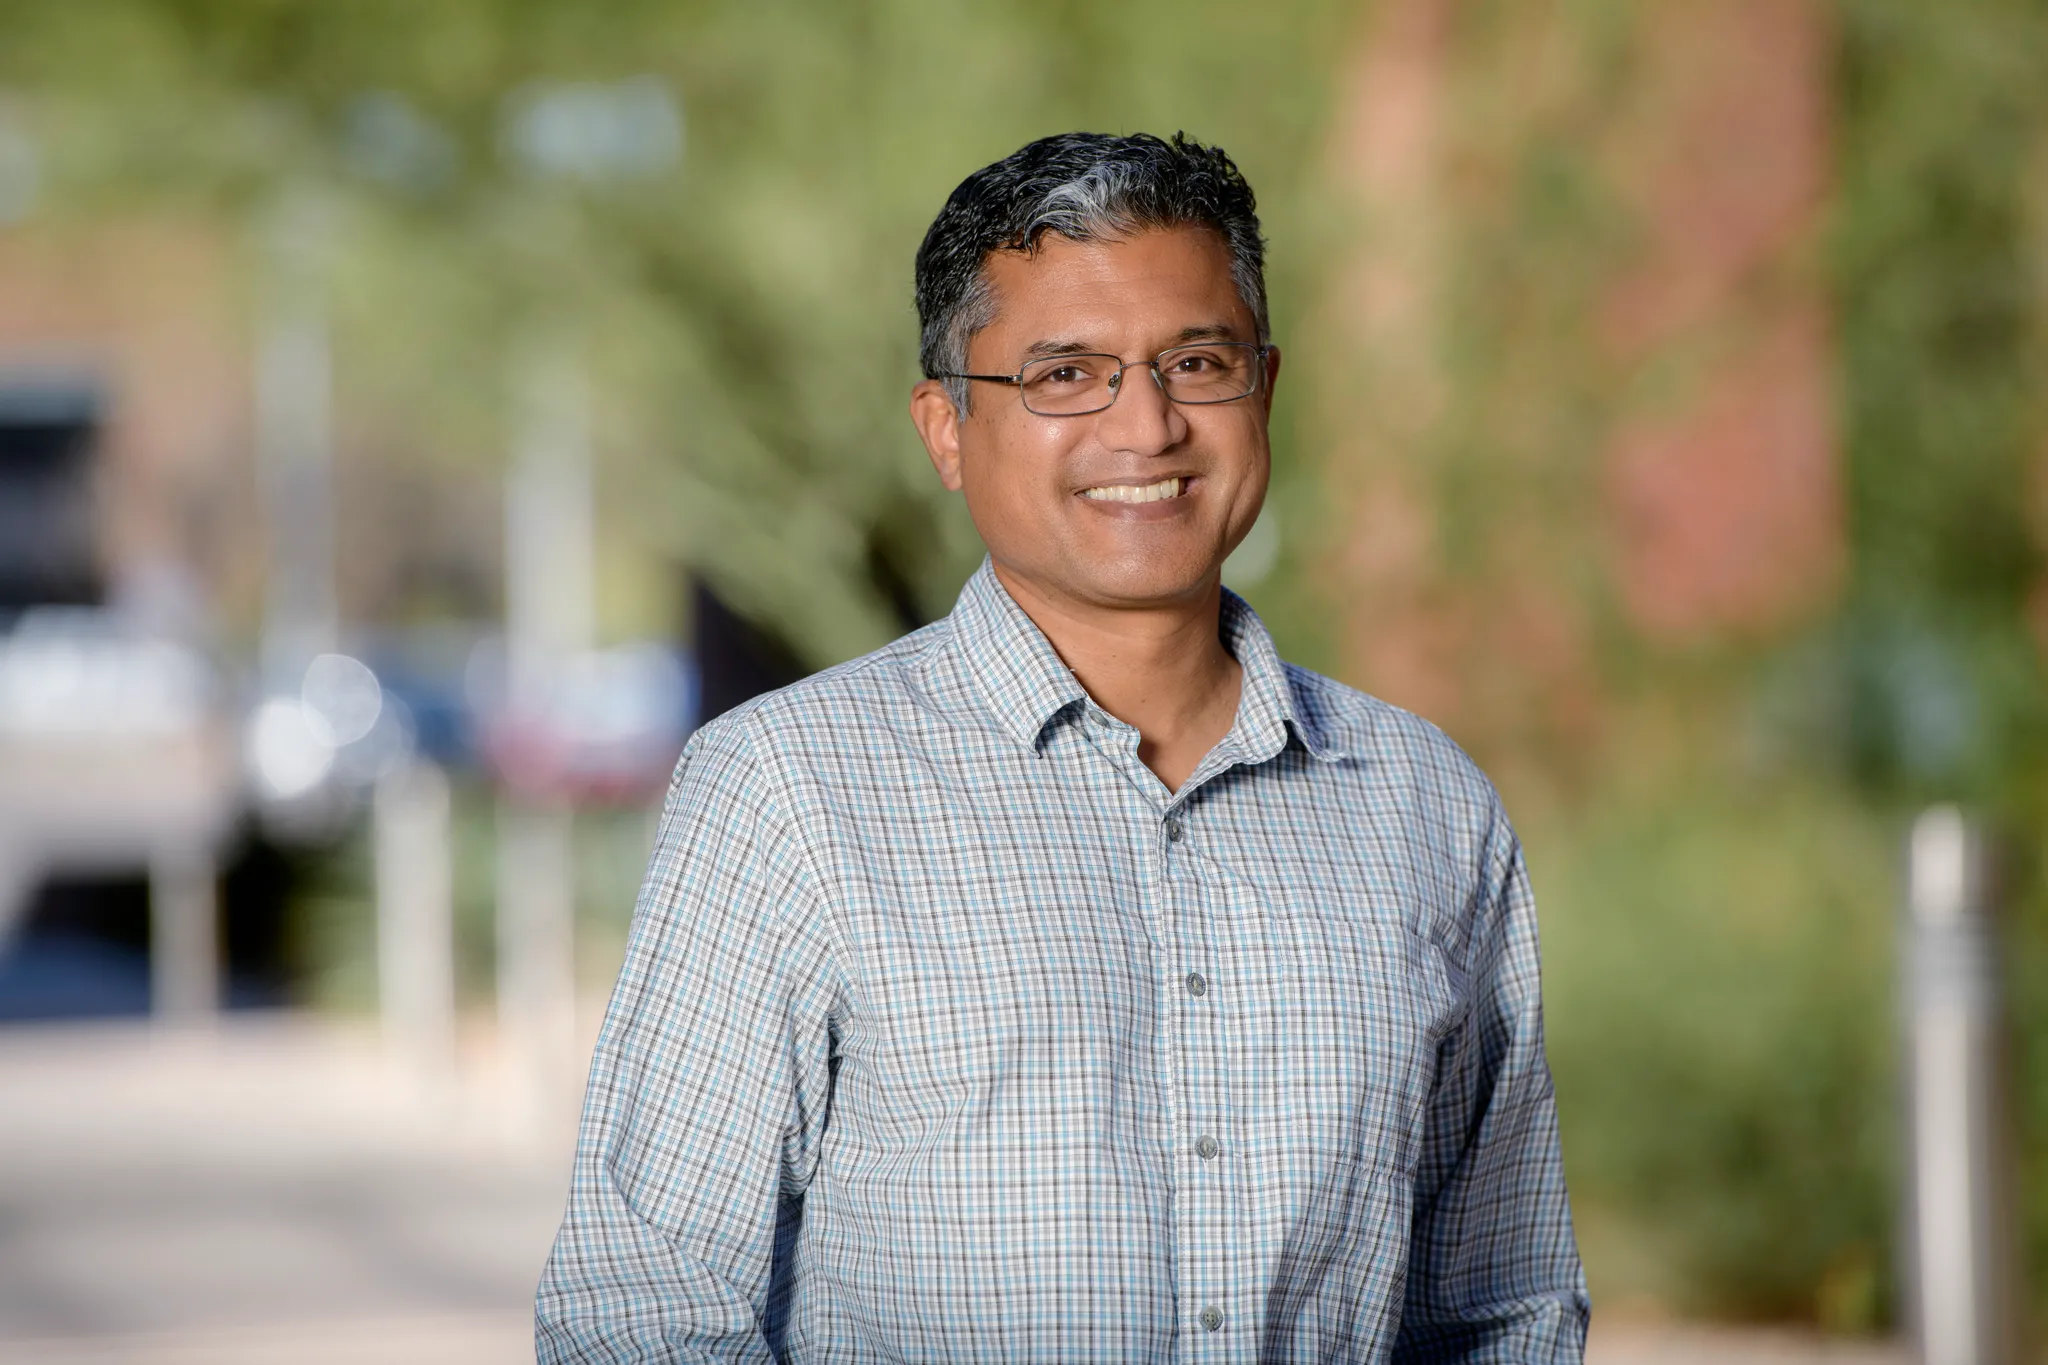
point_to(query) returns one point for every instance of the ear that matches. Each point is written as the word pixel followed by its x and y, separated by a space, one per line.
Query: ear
pixel 938 426
pixel 1272 375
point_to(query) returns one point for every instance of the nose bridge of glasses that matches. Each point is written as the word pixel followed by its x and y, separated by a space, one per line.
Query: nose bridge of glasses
pixel 1116 378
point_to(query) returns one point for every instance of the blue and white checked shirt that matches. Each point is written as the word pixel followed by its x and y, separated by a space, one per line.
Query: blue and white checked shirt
pixel 947 1033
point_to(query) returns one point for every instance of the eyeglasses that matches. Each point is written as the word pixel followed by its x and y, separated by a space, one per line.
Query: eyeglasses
pixel 1076 385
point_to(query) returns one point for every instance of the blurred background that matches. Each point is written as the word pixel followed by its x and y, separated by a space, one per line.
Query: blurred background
pixel 415 417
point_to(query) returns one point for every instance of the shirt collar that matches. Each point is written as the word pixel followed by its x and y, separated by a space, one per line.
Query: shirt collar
pixel 1025 684
pixel 1008 656
pixel 1268 706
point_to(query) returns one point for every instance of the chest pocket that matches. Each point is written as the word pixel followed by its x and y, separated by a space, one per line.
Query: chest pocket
pixel 1341 1012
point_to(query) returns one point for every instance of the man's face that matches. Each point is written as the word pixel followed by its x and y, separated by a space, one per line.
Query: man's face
pixel 1028 479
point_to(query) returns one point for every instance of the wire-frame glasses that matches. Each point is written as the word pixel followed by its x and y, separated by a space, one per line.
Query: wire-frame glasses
pixel 1076 385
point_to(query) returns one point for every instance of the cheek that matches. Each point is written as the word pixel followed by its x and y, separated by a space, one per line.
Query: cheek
pixel 1012 466
pixel 1237 448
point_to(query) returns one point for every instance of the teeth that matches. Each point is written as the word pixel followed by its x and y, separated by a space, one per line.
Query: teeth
pixel 1123 492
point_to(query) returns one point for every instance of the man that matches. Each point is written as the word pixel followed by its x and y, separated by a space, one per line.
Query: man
pixel 1073 980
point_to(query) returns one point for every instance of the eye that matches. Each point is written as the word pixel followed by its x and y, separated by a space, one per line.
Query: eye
pixel 1066 374
pixel 1197 362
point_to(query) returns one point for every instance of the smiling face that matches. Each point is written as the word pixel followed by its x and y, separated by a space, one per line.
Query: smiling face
pixel 1134 506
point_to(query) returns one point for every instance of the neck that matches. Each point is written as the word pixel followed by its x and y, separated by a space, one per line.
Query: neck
pixel 1160 669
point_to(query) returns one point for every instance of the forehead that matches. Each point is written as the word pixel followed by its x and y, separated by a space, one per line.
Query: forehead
pixel 1167 279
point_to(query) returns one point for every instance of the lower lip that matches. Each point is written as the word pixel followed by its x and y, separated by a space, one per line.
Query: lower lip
pixel 1160 509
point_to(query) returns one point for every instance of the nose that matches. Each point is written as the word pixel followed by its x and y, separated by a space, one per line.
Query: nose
pixel 1140 417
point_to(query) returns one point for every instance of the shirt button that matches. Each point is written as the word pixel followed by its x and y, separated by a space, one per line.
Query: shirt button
pixel 1197 985
pixel 1212 1318
pixel 1103 718
pixel 1205 1147
pixel 1174 829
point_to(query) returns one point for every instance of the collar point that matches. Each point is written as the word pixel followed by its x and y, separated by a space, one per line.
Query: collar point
pixel 1313 744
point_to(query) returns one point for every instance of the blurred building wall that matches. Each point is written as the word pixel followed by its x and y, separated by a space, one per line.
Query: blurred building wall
pixel 1652 393
pixel 1723 502
pixel 146 313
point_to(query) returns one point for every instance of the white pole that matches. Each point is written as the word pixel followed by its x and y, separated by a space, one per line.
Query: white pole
pixel 295 444
pixel 1957 1267
pixel 184 946
pixel 416 917
pixel 537 940
pixel 549 536
pixel 549 608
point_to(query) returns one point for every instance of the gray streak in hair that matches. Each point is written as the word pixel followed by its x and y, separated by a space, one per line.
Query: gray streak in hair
pixel 1084 187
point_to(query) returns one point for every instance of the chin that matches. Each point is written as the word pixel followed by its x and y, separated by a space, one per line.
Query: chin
pixel 1143 582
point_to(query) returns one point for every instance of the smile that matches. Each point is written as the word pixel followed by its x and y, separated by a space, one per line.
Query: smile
pixel 1145 492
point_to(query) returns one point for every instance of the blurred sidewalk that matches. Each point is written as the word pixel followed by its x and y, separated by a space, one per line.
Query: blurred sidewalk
pixel 277 1192
pixel 273 1192
pixel 1676 1345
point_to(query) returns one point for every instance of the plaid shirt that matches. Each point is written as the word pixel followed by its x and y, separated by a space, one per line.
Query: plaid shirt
pixel 947 1033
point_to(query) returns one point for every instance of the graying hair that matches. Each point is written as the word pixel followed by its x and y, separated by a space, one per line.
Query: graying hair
pixel 1085 187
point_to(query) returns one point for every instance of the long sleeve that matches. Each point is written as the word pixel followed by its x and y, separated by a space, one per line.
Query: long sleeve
pixel 1494 1275
pixel 709 1090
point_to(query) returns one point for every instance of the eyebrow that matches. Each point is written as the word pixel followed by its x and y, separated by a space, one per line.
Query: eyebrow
pixel 1214 331
pixel 1038 350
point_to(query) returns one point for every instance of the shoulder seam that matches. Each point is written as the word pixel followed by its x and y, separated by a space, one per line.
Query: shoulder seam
pixel 897 651
pixel 780 794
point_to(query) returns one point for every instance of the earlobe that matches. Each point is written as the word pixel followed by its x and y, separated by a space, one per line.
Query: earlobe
pixel 938 426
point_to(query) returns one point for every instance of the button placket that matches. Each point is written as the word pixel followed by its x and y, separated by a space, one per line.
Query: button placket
pixel 1210 1192
pixel 1188 1057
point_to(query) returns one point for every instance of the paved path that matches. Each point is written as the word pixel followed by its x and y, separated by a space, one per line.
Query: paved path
pixel 273 1192
pixel 277 1192
pixel 1687 1345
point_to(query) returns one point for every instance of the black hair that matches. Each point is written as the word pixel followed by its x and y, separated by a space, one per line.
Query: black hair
pixel 1085 187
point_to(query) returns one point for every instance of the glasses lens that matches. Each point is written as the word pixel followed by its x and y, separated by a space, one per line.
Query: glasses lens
pixel 1064 385
pixel 1214 372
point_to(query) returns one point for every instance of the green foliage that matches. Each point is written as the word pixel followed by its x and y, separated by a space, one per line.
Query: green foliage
pixel 1718 976
pixel 331 931
pixel 1938 274
pixel 748 316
